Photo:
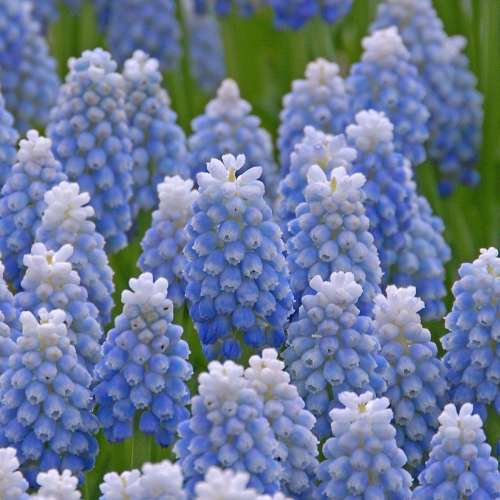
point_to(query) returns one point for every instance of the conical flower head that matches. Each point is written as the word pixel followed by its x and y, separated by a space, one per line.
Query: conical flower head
pixel 237 275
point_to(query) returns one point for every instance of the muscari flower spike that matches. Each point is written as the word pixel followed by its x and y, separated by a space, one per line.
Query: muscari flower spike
pixel 159 144
pixel 145 368
pixel 8 142
pixel 90 136
pixel 228 430
pixel 8 313
pixel 455 104
pixel 236 272
pixel 22 201
pixel 164 242
pixel 331 233
pixel 331 348
pixel 416 387
pixel 362 459
pixel 297 447
pixel 460 465
pixel 320 101
pixel 46 400
pixel 150 26
pixel 57 486
pixel 227 127
pixel 13 486
pixel 385 80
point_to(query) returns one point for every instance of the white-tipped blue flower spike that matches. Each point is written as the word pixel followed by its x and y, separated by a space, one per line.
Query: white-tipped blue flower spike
pixel 164 242
pixel 316 148
pixel 51 283
pixel 10 315
pixel 227 127
pixel 115 487
pixel 22 201
pixel 159 144
pixel 205 46
pixel 145 368
pixel 90 135
pixel 455 105
pixel 331 233
pixel 237 276
pixel 362 459
pixel 320 101
pixel 331 349
pixel 66 221
pixel 385 80
pixel 283 407
pixel 46 400
pixel 8 141
pixel 150 26
pixel 460 465
pixel 13 486
pixel 57 486
pixel 472 359
pixel 228 429
pixel 415 376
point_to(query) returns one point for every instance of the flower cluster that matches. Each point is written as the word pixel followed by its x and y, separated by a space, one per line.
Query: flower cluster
pixel 22 201
pixel 9 323
pixel 145 368
pixel 159 144
pixel 362 458
pixel 320 101
pixel 331 348
pixel 237 275
pixel 8 141
pixel 91 139
pixel 164 242
pixel 12 483
pixel 56 486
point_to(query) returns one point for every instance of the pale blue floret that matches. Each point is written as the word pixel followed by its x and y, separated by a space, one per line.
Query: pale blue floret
pixel 331 348
pixel 22 201
pixel 455 104
pixel 8 141
pixel 460 464
pixel 151 26
pixel 145 368
pixel 90 137
pixel 236 272
pixel 46 400
pixel 10 327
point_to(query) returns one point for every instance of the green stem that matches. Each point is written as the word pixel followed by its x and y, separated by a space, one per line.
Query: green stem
pixel 141 446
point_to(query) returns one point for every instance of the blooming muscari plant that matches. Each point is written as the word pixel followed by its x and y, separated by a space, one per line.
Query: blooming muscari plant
pixel 22 201
pixel 362 459
pixel 159 144
pixel 320 100
pixel 90 135
pixel 66 221
pixel 331 348
pixel 164 242
pixel 236 272
pixel 8 141
pixel 416 387
pixel 9 323
pixel 145 368
pixel 460 465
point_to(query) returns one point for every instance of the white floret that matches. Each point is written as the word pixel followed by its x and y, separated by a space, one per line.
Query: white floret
pixel 12 483
pixel 224 485
pixel 384 43
pixel 322 73
pixel 400 307
pixel 115 486
pixel 339 182
pixel 465 425
pixel 488 261
pixel 35 148
pixel 58 486
pixel 140 65
pixel 340 289
pixel 147 291
pixel 228 101
pixel 176 200
pixel 276 496
pixel 371 128
pixel 222 382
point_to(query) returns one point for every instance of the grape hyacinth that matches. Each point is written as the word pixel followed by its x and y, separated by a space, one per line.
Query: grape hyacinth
pixel 46 402
pixel 13 486
pixel 159 144
pixel 9 323
pixel 362 459
pixel 331 233
pixel 320 101
pixel 236 272
pixel 90 137
pixel 150 26
pixel 164 242
pixel 472 360
pixel 461 465
pixel 227 127
pixel 385 80
pixel 65 221
pixel 8 141
pixel 297 447
pixel 22 201
pixel 455 104
pixel 228 430
pixel 415 376
pixel 331 348
pixel 56 486
pixel 145 368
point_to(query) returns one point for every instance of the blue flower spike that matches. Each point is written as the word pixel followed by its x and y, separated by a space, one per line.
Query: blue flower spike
pixel 164 242
pixel 9 315
pixel 9 137
pixel 145 368
pixel 362 459
pixel 236 272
